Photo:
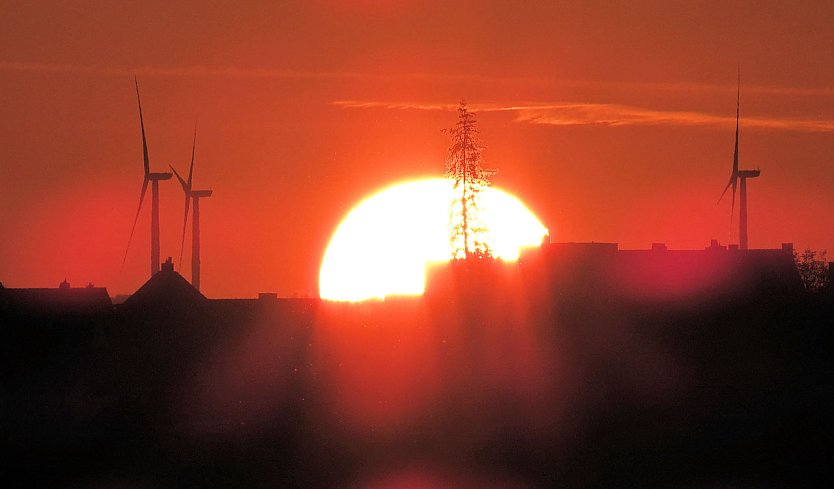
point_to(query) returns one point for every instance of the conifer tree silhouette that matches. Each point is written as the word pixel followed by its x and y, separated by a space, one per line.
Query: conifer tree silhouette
pixel 463 165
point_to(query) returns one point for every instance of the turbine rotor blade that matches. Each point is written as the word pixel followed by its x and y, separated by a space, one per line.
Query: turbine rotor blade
pixel 142 124
pixel 731 183
pixel 184 225
pixel 735 150
pixel 734 175
pixel 135 219
pixel 193 149
pixel 186 187
pixel 733 206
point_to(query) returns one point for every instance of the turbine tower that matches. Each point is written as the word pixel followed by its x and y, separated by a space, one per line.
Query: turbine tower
pixel 195 195
pixel 739 177
pixel 154 178
pixel 743 175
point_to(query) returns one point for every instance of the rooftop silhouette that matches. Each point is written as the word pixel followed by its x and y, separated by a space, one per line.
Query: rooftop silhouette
pixel 591 358
pixel 165 288
pixel 62 300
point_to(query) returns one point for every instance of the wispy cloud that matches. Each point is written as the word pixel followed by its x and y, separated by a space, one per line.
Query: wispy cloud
pixel 695 87
pixel 558 114
pixel 237 72
pixel 624 115
pixel 582 114
pixel 182 71
pixel 359 104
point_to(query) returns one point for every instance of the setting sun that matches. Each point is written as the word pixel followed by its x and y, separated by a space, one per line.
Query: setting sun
pixel 382 247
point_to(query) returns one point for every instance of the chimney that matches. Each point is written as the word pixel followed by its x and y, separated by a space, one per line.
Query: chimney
pixel 658 246
pixel 168 266
pixel 64 285
pixel 787 248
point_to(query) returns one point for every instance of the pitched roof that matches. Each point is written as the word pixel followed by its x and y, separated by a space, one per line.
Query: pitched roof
pixel 167 288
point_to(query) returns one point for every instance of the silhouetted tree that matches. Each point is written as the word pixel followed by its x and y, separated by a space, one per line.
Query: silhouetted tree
pixel 812 268
pixel 463 165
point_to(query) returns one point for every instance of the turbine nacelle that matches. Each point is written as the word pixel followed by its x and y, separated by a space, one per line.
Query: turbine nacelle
pixel 187 184
pixel 159 176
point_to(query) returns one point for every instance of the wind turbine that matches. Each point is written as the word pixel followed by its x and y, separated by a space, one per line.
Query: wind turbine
pixel 154 178
pixel 195 195
pixel 739 177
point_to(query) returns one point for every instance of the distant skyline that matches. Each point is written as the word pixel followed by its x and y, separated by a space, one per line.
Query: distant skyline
pixel 612 121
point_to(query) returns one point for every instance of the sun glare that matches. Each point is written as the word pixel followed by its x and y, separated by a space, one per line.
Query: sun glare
pixel 384 244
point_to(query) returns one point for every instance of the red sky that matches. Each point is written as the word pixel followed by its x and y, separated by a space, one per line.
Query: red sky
pixel 613 121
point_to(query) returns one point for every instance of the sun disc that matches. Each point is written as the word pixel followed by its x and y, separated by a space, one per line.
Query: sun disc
pixel 382 247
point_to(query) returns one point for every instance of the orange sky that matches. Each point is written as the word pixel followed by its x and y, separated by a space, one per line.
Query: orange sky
pixel 613 121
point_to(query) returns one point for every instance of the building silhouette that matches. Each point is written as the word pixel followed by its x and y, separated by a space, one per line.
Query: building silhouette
pixel 570 368
pixel 61 301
